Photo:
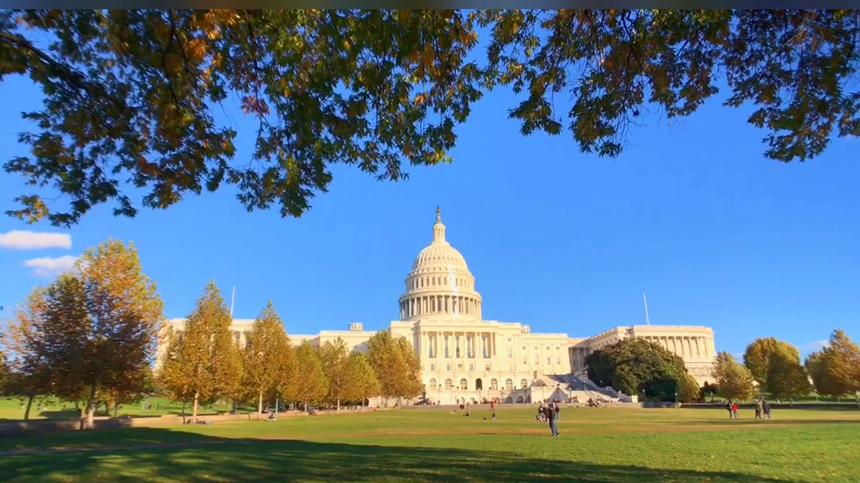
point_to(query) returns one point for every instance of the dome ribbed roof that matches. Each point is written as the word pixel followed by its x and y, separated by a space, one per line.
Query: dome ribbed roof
pixel 440 274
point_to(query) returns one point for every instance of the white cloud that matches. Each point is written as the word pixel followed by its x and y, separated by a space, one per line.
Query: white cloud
pixel 48 267
pixel 31 240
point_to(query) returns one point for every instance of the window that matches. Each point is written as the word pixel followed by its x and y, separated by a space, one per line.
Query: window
pixel 524 383
pixel 525 361
pixel 432 367
pixel 460 366
pixel 464 384
pixel 548 361
pixel 510 353
pixel 448 367
pixel 472 367
pixel 509 385
pixel 494 385
pixel 448 384
pixel 432 383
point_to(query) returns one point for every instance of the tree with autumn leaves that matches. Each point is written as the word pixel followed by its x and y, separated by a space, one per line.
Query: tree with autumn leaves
pixel 203 363
pixel 835 369
pixel 734 380
pixel 90 335
pixel 775 366
pixel 396 366
pixel 268 361
pixel 135 94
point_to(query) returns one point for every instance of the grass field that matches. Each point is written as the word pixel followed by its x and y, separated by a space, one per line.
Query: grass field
pixel 596 444
pixel 14 408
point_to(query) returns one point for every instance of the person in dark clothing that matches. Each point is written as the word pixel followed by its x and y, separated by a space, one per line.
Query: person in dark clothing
pixel 553 422
pixel 557 407
pixel 765 408
pixel 729 409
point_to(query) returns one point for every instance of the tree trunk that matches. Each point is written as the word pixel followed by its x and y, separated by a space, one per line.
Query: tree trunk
pixel 91 408
pixel 306 406
pixel 260 405
pixel 194 407
pixel 29 405
pixel 338 404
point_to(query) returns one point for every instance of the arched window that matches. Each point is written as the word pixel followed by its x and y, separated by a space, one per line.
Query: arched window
pixel 433 383
pixel 464 384
pixel 479 384
pixel 448 384
pixel 524 383
pixel 494 385
pixel 509 385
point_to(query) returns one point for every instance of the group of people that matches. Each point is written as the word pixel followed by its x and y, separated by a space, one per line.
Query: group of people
pixel 549 414
pixel 762 409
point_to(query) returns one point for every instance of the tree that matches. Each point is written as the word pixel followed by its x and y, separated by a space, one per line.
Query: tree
pixel 835 370
pixel 376 88
pixel 688 389
pixel 309 384
pixel 29 374
pixel 734 380
pixel 4 373
pixel 396 366
pixel 758 355
pixel 786 378
pixel 335 363
pixel 91 333
pixel 267 358
pixel 123 314
pixel 634 365
pixel 363 383
pixel 202 363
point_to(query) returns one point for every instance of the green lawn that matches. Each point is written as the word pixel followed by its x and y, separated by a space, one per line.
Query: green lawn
pixel 605 444
pixel 13 409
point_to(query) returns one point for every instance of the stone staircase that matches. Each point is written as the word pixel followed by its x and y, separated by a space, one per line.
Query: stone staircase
pixel 582 388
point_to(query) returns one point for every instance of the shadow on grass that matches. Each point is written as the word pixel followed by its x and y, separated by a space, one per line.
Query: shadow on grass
pixel 159 454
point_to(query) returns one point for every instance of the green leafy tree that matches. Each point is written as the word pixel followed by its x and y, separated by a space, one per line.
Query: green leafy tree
pixel 734 380
pixel 363 383
pixel 688 389
pixel 310 384
pixel 267 358
pixel 835 370
pixel 396 366
pixel 335 362
pixel 634 365
pixel 758 355
pixel 786 378
pixel 203 364
pixel 377 88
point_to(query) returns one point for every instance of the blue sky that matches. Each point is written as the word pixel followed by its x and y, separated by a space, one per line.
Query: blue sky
pixel 691 212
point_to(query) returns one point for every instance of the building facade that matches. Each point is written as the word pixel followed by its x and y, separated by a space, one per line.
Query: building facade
pixel 466 359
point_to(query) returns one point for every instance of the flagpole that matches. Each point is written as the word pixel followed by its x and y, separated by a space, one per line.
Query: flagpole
pixel 232 302
pixel 645 300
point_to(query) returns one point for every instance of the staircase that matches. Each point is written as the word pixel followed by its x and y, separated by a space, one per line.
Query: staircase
pixel 582 388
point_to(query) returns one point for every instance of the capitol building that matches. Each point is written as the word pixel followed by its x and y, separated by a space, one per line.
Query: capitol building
pixel 467 359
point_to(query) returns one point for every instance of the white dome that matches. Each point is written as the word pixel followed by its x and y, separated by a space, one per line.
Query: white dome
pixel 440 284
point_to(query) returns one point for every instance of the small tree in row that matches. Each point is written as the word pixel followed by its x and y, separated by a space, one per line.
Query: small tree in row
pixel 202 363
pixel 734 380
